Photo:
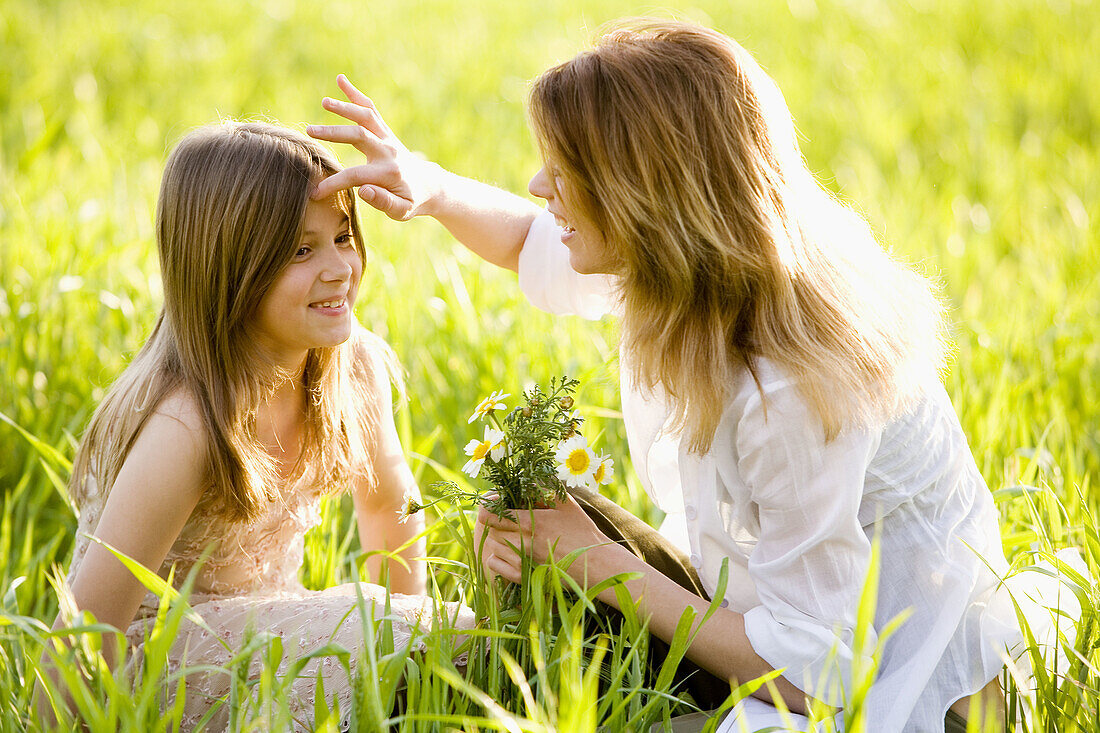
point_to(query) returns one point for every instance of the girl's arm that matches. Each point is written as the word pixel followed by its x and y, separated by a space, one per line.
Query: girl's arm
pixel 156 490
pixel 491 222
pixel 378 504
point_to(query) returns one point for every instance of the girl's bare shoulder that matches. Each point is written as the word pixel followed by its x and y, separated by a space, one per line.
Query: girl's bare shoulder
pixel 181 407
pixel 168 459
pixel 175 439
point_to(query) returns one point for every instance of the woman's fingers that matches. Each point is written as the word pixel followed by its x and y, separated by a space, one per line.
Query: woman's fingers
pixel 487 518
pixel 357 97
pixel 378 173
pixel 366 117
pixel 506 542
pixel 359 108
pixel 498 558
pixel 497 566
pixel 352 92
pixel 392 206
pixel 393 180
pixel 358 136
pixel 519 519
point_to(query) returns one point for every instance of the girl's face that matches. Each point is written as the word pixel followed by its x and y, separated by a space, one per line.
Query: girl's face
pixel 588 252
pixel 309 304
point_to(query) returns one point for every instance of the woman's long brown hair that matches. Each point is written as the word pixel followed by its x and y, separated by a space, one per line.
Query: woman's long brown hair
pixel 682 151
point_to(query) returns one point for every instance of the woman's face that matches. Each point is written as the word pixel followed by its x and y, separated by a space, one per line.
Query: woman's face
pixel 310 303
pixel 588 253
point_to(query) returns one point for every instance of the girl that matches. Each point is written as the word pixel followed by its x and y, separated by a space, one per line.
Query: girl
pixel 257 394
pixel 779 375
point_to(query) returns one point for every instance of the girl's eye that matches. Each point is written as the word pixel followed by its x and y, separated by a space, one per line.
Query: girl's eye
pixel 345 240
pixel 302 251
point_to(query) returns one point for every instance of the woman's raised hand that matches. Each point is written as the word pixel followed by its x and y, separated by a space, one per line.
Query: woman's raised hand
pixel 393 180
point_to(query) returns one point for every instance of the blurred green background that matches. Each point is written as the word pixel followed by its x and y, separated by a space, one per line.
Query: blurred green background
pixel 966 132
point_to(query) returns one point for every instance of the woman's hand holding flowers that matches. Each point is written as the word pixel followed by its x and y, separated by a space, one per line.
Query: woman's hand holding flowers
pixel 530 457
pixel 540 534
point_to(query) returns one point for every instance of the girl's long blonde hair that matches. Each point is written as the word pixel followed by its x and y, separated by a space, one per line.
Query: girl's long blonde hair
pixel 228 221
pixel 682 151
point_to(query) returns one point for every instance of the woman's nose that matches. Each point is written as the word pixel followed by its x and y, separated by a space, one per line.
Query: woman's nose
pixel 540 185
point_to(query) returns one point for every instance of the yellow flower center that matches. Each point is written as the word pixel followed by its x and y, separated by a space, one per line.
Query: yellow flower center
pixel 601 471
pixel 577 462
pixel 482 448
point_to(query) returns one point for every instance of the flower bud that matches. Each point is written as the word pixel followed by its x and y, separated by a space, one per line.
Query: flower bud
pixel 528 412
pixel 566 402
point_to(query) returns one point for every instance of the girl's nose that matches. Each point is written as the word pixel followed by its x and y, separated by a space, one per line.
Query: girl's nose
pixel 337 267
pixel 541 185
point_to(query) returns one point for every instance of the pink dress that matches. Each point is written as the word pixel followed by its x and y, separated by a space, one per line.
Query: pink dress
pixel 250 581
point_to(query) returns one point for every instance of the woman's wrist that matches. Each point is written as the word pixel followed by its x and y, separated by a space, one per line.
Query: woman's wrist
pixel 489 221
pixel 435 179
pixel 607 560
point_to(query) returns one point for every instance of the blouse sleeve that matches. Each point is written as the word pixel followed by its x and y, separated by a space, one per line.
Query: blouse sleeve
pixel 551 284
pixel 811 559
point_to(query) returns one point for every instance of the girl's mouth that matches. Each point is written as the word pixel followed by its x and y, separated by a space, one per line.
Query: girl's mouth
pixel 334 306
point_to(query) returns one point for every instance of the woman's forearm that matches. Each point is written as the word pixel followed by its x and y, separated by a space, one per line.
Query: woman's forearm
pixel 491 222
pixel 720 645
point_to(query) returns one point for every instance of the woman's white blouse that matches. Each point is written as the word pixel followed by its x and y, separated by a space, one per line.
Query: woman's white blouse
pixel 796 517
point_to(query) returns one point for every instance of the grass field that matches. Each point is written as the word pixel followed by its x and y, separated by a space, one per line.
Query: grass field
pixel 968 133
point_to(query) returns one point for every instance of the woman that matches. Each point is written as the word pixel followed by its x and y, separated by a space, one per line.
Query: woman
pixel 779 374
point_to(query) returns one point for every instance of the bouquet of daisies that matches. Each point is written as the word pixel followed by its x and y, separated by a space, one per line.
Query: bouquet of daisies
pixel 530 455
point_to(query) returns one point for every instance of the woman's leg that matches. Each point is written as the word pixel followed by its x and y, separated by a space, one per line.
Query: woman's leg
pixel 708 691
pixel 647 543
pixel 988 703
pixel 954 723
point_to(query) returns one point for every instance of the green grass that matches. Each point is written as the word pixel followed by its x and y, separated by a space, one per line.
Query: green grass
pixel 966 132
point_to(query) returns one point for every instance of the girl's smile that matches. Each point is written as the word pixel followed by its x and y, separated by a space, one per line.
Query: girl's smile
pixel 331 307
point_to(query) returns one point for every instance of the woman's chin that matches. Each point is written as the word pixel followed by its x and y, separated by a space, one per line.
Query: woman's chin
pixel 583 267
pixel 579 264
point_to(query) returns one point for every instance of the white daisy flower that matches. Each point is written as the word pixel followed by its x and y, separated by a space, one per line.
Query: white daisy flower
pixel 492 447
pixel 412 506
pixel 576 462
pixel 489 405
pixel 604 471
